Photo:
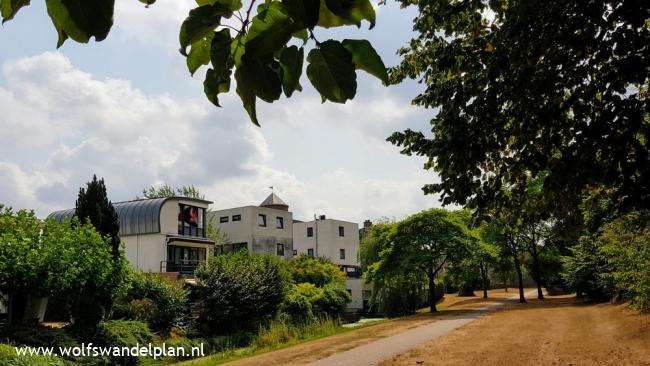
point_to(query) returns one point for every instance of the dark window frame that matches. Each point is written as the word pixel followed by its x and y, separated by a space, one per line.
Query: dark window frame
pixel 263 217
pixel 310 232
pixel 223 219
pixel 310 253
pixel 279 222
pixel 341 230
pixel 342 253
pixel 279 249
pixel 236 217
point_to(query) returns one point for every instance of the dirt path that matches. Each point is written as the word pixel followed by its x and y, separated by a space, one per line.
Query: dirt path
pixel 556 331
pixel 403 333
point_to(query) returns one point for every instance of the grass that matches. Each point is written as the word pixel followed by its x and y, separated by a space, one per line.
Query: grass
pixel 277 336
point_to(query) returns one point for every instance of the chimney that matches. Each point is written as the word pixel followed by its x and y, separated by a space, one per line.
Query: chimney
pixel 321 217
pixel 367 224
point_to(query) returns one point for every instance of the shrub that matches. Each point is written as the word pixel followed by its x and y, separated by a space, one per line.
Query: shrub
pixel 143 309
pixel 334 301
pixel 115 333
pixel 239 291
pixel 8 356
pixel 306 302
pixel 158 300
pixel 319 271
pixel 39 337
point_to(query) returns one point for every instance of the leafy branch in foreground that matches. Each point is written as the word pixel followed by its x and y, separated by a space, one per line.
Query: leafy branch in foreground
pixel 265 52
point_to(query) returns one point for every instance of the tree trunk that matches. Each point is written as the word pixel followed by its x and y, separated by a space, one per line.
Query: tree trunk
pixel 432 293
pixel 538 273
pixel 522 298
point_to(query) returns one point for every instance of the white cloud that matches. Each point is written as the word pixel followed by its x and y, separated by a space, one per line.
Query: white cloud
pixel 60 125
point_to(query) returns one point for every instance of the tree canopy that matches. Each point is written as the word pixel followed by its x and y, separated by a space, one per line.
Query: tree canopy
pixel 524 87
pixel 264 53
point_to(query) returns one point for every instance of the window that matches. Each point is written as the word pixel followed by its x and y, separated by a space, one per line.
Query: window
pixel 236 217
pixel 190 220
pixel 262 220
pixel 349 291
pixel 310 253
pixel 341 231
pixel 310 232
pixel 280 249
pixel 342 253
pixel 295 252
pixel 279 222
pixel 224 219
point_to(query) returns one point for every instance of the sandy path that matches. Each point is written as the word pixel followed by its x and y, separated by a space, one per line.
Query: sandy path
pixel 556 331
pixel 385 348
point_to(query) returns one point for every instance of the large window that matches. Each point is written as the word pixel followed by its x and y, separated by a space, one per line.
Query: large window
pixel 341 231
pixel 262 220
pixel 190 220
pixel 280 249
pixel 279 222
pixel 310 232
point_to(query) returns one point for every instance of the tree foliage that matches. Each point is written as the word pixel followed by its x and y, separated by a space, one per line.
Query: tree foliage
pixel 264 53
pixel 318 271
pixel 166 190
pixel 240 290
pixel 46 258
pixel 422 245
pixel 523 87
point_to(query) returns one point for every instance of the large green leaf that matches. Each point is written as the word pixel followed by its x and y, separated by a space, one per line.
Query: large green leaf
pixel 217 79
pixel 331 71
pixel 270 30
pixel 215 84
pixel 291 59
pixel 9 8
pixel 264 77
pixel 246 94
pixel 334 13
pixel 303 12
pixel 80 20
pixel 200 22
pixel 366 58
pixel 199 53
pixel 220 53
pixel 233 5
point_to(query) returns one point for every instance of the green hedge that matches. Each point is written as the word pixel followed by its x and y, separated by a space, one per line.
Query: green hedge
pixel 9 357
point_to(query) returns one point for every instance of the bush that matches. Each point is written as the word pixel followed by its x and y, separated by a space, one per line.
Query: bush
pixel 319 271
pixel 306 302
pixel 115 333
pixel 158 300
pixel 39 337
pixel 9 357
pixel 239 291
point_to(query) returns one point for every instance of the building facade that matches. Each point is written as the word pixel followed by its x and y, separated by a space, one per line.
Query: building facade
pixel 166 235
pixel 263 229
pixel 338 241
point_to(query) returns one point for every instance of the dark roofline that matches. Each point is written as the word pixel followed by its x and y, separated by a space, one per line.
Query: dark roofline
pixel 141 216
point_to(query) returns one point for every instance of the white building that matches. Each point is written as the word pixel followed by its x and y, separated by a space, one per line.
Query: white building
pixel 164 235
pixel 263 229
pixel 338 241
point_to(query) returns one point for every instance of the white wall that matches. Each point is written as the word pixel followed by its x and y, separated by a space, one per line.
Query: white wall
pixel 260 240
pixel 329 242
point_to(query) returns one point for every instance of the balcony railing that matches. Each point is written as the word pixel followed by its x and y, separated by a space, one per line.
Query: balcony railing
pixel 183 267
pixel 351 271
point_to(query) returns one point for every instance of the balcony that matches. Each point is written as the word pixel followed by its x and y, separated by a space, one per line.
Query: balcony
pixel 184 268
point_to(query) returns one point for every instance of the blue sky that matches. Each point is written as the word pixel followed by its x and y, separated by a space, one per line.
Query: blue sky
pixel 127 109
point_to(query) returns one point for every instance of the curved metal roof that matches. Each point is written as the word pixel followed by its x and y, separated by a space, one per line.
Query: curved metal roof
pixel 136 217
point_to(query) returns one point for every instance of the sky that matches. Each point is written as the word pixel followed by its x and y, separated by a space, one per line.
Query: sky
pixel 127 110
